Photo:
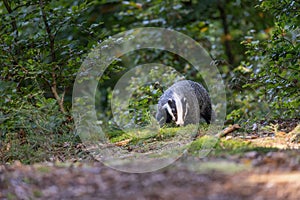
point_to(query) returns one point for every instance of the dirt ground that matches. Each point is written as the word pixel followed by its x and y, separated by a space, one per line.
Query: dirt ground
pixel 252 175
pixel 275 175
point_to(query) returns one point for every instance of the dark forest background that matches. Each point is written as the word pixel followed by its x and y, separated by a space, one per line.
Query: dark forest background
pixel 255 45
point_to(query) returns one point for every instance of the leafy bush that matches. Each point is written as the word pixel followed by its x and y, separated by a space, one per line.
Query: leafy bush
pixel 41 47
pixel 33 132
pixel 274 59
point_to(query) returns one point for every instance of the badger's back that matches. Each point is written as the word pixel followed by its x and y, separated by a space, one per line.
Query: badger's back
pixel 204 101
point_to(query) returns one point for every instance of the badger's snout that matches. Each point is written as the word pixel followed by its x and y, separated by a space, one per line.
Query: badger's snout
pixel 179 123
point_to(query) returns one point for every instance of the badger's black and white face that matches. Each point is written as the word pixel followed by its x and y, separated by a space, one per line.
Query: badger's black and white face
pixel 175 109
pixel 185 102
pixel 171 111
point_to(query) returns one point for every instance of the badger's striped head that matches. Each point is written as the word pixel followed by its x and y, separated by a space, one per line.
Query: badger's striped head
pixel 171 111
pixel 176 110
pixel 185 102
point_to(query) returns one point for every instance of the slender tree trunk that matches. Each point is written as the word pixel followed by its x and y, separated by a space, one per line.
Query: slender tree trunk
pixel 51 37
pixel 223 16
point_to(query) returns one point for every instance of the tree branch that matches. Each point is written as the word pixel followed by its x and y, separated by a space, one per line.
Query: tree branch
pixel 51 38
pixel 13 22
pixel 48 30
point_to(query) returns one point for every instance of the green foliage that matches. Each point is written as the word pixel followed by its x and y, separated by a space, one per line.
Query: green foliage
pixel 41 47
pixel 274 59
pixel 140 101
pixel 256 48
pixel 36 133
pixel 220 26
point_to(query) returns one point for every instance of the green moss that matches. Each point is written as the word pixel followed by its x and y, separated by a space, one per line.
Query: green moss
pixel 44 169
pixel 37 193
pixel 11 196
pixel 137 135
pixel 26 180
pixel 219 147
pixel 226 167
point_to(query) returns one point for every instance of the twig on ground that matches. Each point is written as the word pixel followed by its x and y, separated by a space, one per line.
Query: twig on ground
pixel 228 130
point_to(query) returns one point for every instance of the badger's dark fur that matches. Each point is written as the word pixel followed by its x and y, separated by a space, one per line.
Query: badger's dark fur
pixel 185 102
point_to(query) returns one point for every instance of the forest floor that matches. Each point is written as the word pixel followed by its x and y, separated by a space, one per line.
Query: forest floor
pixel 269 172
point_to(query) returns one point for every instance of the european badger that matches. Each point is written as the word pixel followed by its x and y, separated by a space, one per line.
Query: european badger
pixel 185 102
